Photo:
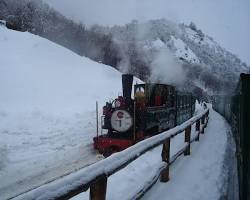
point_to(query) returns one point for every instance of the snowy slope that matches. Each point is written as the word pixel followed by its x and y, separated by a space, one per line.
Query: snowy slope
pixel 47 109
pixel 183 51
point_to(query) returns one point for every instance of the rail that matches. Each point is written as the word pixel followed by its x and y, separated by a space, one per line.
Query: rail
pixel 95 176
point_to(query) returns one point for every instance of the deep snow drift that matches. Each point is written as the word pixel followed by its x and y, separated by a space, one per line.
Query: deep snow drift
pixel 47 109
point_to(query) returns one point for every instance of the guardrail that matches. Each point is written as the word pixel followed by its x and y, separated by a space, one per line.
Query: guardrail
pixel 95 176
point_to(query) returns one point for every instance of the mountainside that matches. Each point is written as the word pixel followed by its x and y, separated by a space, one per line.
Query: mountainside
pixel 201 61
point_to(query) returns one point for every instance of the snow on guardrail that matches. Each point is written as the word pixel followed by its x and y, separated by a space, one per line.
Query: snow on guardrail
pixel 83 178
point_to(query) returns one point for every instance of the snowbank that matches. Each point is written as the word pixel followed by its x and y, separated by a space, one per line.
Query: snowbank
pixel 47 109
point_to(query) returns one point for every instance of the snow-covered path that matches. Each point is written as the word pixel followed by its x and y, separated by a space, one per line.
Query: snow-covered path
pixel 202 175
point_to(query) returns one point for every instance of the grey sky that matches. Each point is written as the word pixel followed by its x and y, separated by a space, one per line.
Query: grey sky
pixel 227 21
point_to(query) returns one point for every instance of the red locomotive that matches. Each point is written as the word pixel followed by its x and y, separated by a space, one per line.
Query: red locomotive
pixel 155 108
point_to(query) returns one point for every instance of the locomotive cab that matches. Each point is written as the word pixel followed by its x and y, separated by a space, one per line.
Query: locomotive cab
pixel 154 95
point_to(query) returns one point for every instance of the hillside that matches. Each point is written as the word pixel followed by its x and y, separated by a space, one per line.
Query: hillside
pixel 47 109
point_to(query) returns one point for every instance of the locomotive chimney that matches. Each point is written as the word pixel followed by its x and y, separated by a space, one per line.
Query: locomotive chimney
pixel 127 82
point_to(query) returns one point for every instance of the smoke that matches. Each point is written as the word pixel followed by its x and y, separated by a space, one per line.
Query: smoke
pixel 124 65
pixel 166 69
pixel 160 63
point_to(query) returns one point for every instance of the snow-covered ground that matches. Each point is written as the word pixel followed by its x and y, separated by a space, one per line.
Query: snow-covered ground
pixel 47 110
pixel 202 175
pixel 183 51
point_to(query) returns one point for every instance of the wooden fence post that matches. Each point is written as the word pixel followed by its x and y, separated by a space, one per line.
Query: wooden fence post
pixel 165 155
pixel 187 139
pixel 197 128
pixel 206 119
pixel 98 188
pixel 203 123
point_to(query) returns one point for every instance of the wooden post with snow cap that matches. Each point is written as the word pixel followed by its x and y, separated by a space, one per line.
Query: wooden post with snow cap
pixel 197 128
pixel 165 155
pixel 98 188
pixel 187 139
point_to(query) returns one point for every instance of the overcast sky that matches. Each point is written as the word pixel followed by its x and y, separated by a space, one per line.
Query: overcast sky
pixel 227 21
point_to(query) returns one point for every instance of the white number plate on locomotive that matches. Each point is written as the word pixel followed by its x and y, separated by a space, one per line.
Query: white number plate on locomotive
pixel 121 120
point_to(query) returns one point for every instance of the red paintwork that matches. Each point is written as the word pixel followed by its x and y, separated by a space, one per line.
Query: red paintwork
pixel 103 142
pixel 122 102
pixel 158 101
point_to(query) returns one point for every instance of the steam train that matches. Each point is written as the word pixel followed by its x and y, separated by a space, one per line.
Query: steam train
pixel 155 108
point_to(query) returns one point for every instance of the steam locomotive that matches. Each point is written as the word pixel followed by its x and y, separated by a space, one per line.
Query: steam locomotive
pixel 154 109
